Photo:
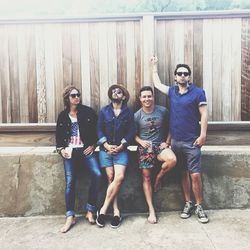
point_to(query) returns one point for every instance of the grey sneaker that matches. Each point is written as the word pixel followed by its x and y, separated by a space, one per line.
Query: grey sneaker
pixel 187 210
pixel 202 217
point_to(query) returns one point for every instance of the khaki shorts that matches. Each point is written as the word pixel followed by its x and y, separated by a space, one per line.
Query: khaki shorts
pixel 149 159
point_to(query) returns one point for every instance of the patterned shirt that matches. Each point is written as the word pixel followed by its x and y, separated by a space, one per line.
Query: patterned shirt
pixel 75 139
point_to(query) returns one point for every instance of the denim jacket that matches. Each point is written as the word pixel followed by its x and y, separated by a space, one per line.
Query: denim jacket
pixel 86 118
pixel 115 130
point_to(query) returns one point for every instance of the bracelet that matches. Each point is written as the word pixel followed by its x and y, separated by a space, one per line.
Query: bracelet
pixel 59 150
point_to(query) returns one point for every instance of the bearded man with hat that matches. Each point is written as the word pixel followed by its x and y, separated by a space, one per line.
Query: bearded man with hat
pixel 116 130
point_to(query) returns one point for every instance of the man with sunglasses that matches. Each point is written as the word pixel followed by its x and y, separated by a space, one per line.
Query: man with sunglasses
pixel 188 106
pixel 115 129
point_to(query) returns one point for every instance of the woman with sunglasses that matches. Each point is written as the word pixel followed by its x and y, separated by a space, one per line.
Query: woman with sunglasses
pixel 75 141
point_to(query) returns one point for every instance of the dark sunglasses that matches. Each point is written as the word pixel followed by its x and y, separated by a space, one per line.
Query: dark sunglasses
pixel 75 95
pixel 117 91
pixel 182 73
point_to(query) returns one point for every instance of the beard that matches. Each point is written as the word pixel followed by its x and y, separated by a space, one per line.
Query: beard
pixel 116 100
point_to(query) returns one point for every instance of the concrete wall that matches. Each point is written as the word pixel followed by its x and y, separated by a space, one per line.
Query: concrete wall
pixel 32 182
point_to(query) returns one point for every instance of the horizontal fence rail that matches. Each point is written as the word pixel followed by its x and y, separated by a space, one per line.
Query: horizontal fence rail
pixel 219 133
pixel 39 57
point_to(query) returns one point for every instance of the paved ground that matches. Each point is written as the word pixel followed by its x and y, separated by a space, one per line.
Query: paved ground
pixel 228 229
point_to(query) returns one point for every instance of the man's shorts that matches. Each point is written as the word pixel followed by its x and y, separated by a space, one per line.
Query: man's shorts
pixel 108 160
pixel 188 155
pixel 146 159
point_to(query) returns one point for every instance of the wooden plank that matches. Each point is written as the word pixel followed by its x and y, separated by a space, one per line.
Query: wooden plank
pixel 14 76
pixel 40 73
pixel 104 63
pixel 198 53
pixel 178 44
pixel 94 66
pixel 121 52
pixel 162 54
pixel 226 68
pixel 208 64
pixel 148 46
pixel 189 42
pixel 27 139
pixel 112 53
pixel 130 56
pixel 236 70
pixel 58 70
pixel 22 48
pixel 245 74
pixel 138 63
pixel 219 133
pixel 31 75
pixel 67 55
pixel 49 38
pixel 170 49
pixel 85 64
pixel 217 60
pixel 5 76
pixel 76 55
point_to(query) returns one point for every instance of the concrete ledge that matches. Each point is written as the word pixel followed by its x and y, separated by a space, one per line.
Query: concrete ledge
pixel 32 182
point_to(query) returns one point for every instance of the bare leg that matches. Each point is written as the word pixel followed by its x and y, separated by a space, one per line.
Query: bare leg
pixel 110 177
pixel 70 221
pixel 197 187
pixel 185 184
pixel 169 161
pixel 147 188
pixel 114 187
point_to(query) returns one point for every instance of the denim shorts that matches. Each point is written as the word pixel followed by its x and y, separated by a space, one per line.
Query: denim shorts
pixel 107 160
pixel 188 155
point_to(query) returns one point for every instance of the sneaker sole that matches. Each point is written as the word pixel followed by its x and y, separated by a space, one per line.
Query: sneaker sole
pixel 204 221
pixel 185 216
pixel 114 227
pixel 98 224
pixel 96 221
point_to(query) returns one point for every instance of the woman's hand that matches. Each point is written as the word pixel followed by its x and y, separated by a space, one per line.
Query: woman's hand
pixel 65 154
pixel 89 150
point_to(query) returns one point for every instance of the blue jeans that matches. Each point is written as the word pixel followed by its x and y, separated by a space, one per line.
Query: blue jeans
pixel 70 170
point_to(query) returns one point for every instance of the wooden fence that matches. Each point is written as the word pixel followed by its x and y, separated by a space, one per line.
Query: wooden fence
pixel 38 58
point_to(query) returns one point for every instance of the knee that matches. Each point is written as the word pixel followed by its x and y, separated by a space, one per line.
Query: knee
pixel 119 179
pixel 110 178
pixel 170 163
pixel 146 178
pixel 196 177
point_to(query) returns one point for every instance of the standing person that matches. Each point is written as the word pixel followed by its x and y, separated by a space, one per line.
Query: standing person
pixel 151 135
pixel 188 106
pixel 115 129
pixel 75 141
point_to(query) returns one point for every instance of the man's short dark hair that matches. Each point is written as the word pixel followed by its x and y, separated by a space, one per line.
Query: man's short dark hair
pixel 182 66
pixel 146 88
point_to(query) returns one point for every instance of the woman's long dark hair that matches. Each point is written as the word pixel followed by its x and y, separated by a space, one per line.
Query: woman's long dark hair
pixel 66 93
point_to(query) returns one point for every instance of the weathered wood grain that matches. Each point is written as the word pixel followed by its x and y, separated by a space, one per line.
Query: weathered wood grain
pixel 37 60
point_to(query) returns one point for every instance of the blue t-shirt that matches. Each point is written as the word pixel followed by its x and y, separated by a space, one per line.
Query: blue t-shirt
pixel 184 112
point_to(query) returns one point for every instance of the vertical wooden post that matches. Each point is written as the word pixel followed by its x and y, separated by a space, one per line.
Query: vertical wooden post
pixel 41 76
pixel 148 27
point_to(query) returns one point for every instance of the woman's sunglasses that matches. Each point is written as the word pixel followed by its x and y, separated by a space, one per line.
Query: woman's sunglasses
pixel 75 95
pixel 182 73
